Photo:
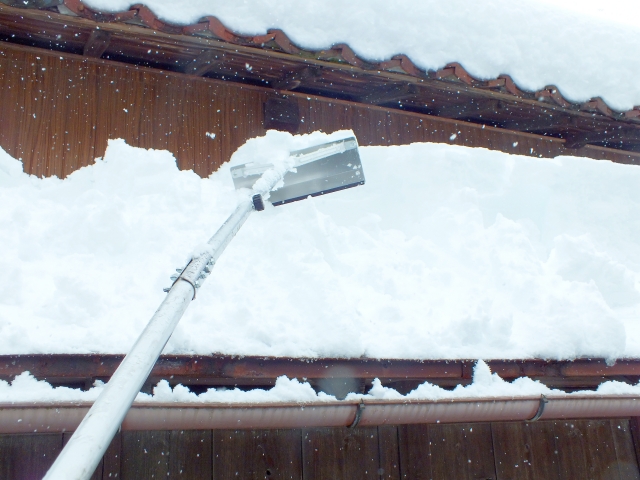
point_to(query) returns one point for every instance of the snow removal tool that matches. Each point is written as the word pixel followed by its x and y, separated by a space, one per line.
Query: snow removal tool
pixel 312 171
pixel 318 170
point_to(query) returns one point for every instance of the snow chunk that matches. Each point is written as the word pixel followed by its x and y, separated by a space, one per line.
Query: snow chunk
pixel 26 388
pixel 285 390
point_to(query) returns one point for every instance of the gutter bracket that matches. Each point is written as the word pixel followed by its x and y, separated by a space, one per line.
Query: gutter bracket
pixel 358 416
pixel 543 401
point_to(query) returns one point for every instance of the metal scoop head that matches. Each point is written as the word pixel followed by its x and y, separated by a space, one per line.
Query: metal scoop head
pixel 321 169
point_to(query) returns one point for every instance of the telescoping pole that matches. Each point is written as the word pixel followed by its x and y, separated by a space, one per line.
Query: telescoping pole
pixel 312 171
pixel 83 452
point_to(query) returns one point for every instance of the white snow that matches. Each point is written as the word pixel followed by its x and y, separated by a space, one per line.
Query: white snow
pixel 26 389
pixel 446 252
pixel 585 48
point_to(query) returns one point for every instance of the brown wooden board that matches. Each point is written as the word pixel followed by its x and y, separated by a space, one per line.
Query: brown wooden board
pixel 166 454
pixel 525 450
pixel 586 449
pixel 557 450
pixel 59 110
pixel 28 457
pixel 109 466
pixel 340 453
pixel 112 460
pixel 414 452
pixel 145 454
pixel 634 426
pixel 389 453
pixel 191 454
pixel 257 454
pixel 625 451
pixel 460 451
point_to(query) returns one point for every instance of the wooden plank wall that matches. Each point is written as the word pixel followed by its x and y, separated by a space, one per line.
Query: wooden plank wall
pixel 58 110
pixel 546 450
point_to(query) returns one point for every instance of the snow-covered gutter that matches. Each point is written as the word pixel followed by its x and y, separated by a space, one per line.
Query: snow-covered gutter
pixel 65 416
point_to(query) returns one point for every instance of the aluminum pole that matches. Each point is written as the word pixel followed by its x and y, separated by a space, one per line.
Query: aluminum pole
pixel 82 454
pixel 80 457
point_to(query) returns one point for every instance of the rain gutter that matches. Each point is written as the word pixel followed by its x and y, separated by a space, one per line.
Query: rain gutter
pixel 46 417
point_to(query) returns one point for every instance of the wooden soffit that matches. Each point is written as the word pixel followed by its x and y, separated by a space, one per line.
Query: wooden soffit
pixel 209 49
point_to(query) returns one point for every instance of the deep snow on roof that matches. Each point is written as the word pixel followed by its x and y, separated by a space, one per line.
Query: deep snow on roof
pixel 446 252
pixel 584 53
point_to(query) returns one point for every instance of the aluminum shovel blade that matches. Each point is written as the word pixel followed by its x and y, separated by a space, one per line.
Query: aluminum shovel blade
pixel 319 170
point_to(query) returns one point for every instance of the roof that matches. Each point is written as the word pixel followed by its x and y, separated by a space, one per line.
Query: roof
pixel 209 48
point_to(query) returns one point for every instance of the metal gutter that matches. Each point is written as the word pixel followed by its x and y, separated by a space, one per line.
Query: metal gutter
pixel 591 406
pixel 61 417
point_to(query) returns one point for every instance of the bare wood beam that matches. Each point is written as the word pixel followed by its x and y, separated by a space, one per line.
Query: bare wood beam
pixel 203 63
pixel 615 135
pixel 292 80
pixel 97 44
pixel 546 122
pixel 473 109
pixel 392 94
pixel 282 114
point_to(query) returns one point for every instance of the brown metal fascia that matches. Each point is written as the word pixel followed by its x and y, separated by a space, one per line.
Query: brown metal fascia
pixel 78 366
pixel 596 368
pixel 203 368
pixel 47 417
pixel 342 368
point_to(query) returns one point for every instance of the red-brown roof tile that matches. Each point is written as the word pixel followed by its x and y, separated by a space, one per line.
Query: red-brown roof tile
pixel 277 39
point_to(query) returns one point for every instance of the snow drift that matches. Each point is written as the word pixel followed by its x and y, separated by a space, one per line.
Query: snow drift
pixel 446 252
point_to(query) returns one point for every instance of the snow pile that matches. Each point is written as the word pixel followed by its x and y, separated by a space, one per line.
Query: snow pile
pixel 25 389
pixel 484 385
pixel 446 252
pixel 586 49
pixel 285 390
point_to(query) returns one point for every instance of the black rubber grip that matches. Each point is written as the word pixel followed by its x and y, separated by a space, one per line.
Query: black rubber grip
pixel 258 203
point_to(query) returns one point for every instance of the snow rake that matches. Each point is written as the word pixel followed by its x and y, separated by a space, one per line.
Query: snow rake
pixel 313 171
